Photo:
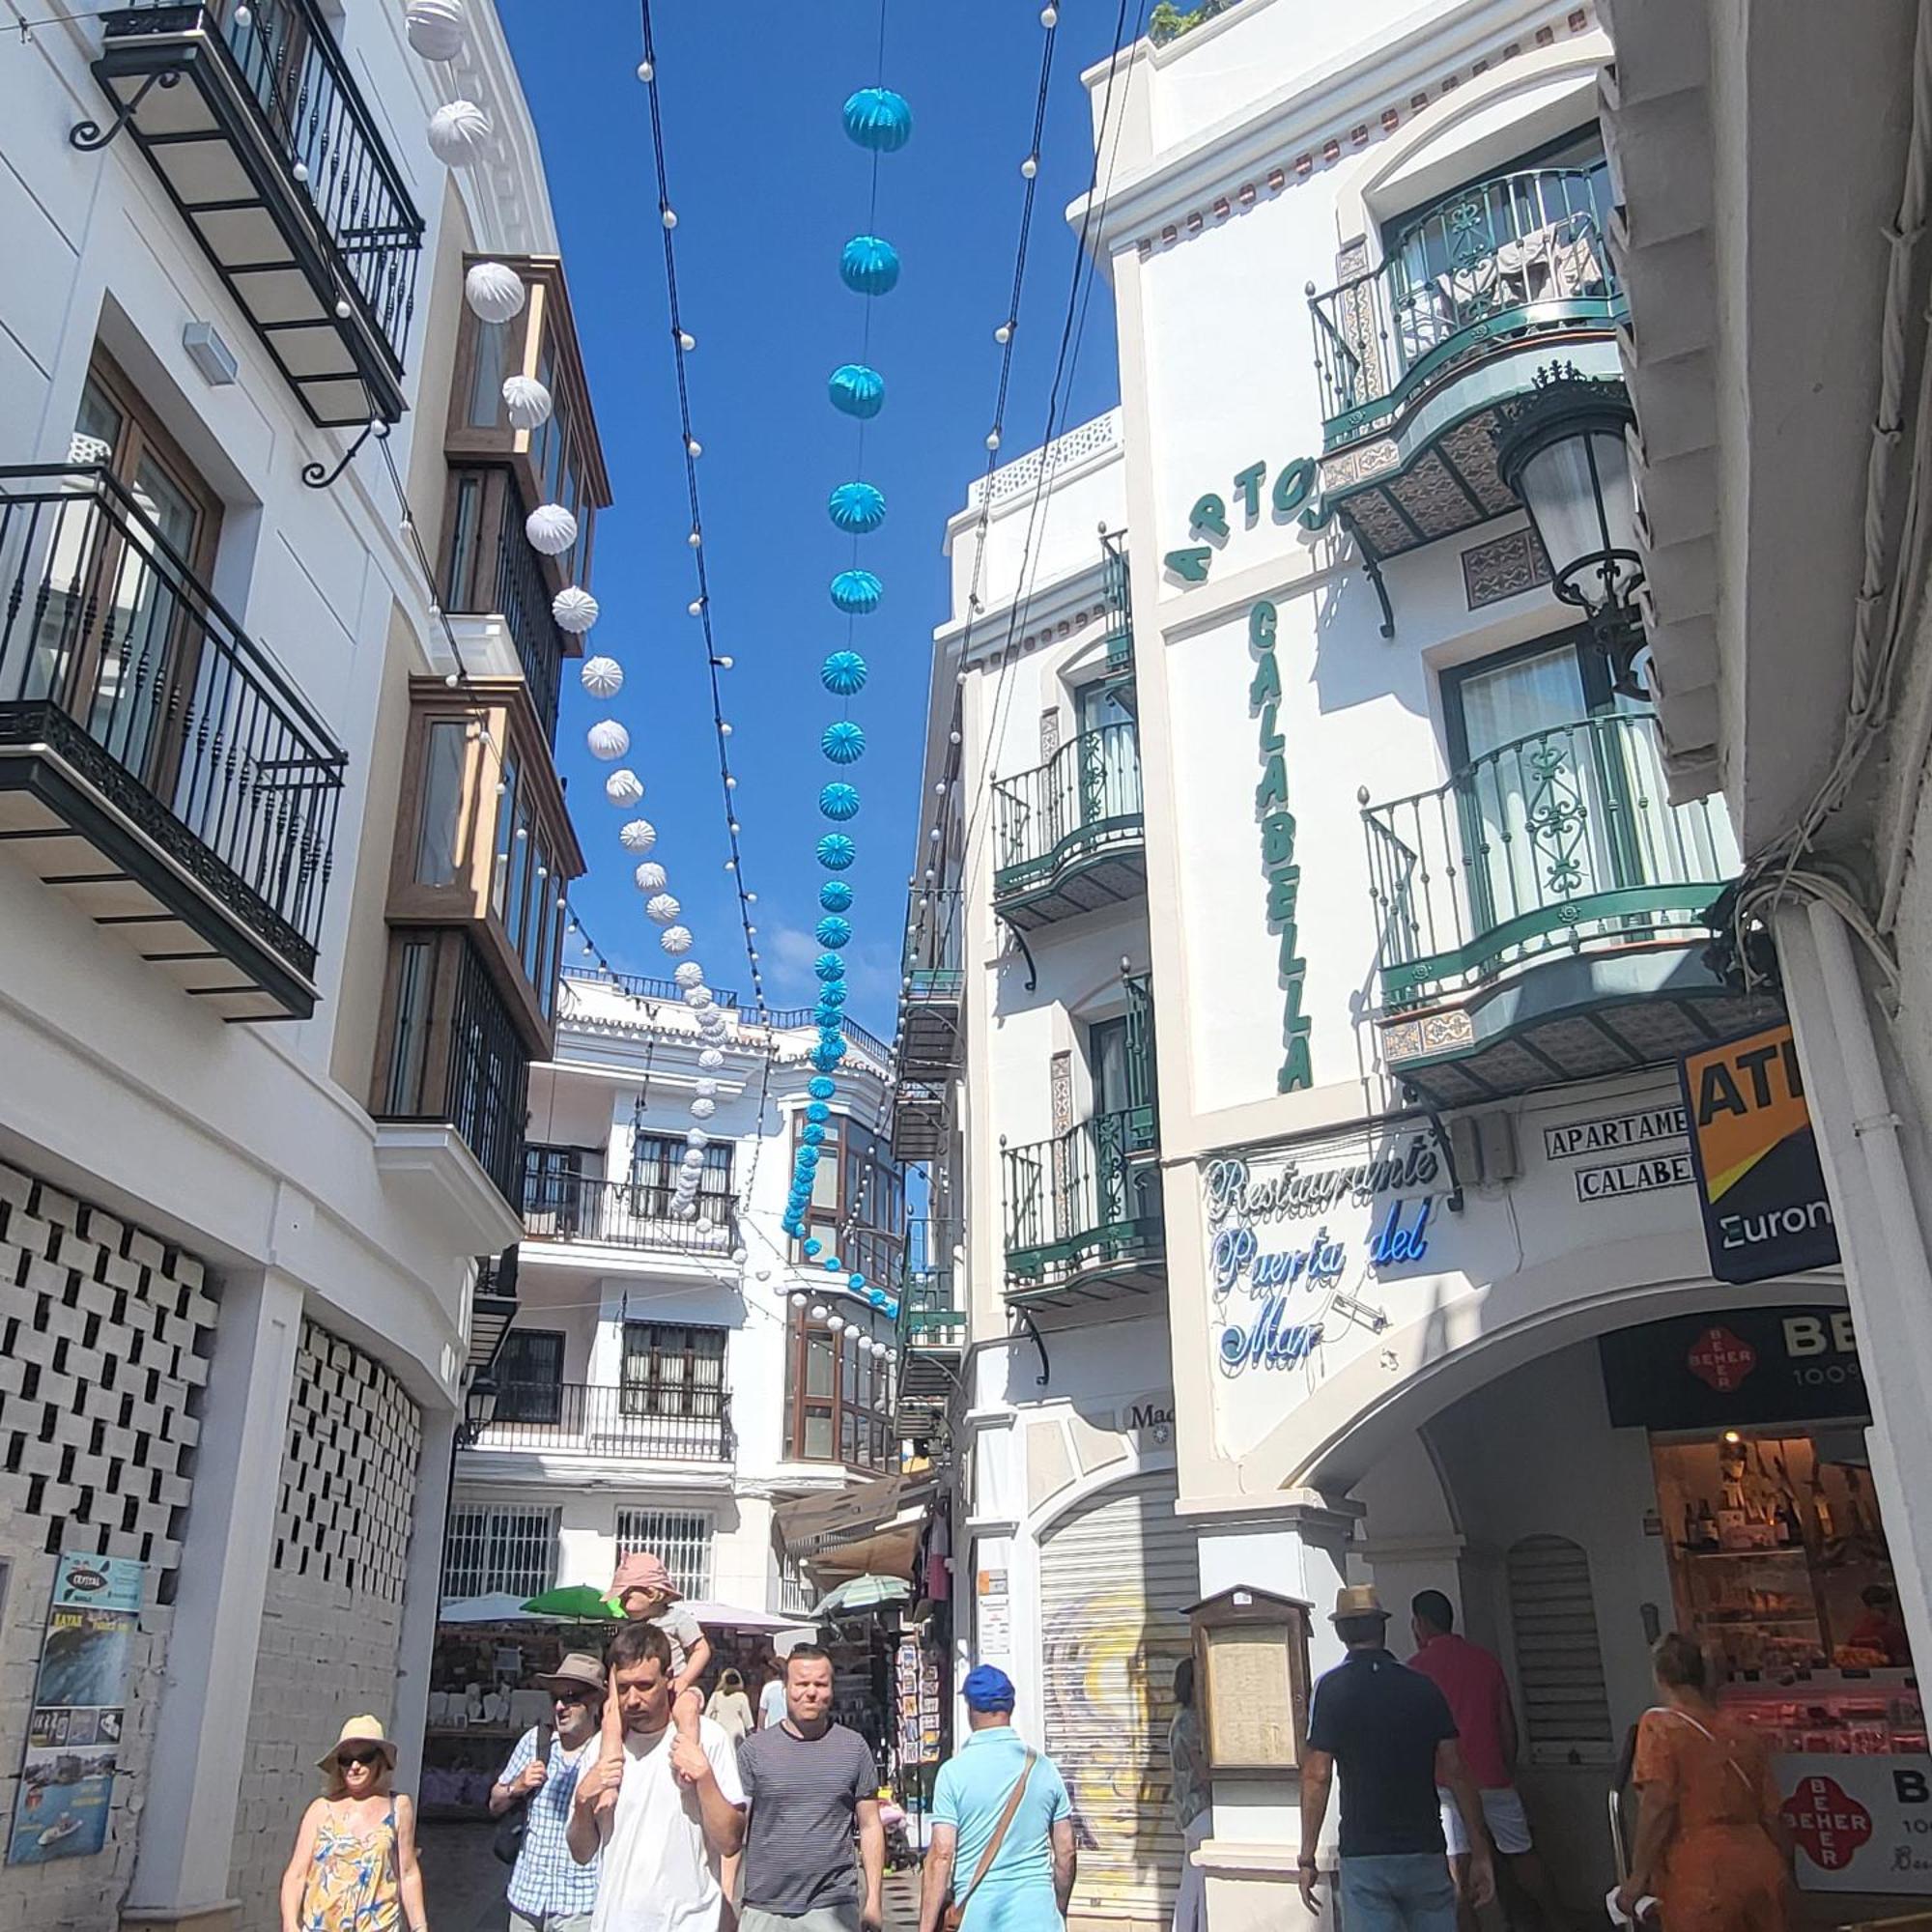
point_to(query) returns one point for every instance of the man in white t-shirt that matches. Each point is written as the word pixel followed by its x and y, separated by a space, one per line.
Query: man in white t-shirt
pixel 679 1808
pixel 772 1699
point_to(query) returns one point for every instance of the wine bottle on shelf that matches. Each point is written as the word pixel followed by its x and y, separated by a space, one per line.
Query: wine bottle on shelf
pixel 1821 1509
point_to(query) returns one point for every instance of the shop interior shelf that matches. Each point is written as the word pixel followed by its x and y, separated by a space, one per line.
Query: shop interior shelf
pixel 1756 1555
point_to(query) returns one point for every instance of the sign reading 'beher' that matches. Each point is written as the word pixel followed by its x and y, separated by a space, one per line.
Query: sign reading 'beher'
pixel 1760 1187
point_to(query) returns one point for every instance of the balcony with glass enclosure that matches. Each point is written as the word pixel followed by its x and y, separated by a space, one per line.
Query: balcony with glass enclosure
pixel 158 768
pixel 1414 356
pixel 1545 915
pixel 1070 836
pixel 252 120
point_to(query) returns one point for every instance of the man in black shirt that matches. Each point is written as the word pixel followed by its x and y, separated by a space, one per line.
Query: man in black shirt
pixel 1389 1729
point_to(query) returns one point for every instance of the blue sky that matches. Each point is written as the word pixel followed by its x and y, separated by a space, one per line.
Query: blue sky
pixel 767 190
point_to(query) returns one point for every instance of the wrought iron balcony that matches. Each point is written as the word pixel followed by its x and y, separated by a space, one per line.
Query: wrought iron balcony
pixel 1519 255
pixel 157 767
pixel 920 1116
pixel 1069 834
pixel 570 1208
pixel 642 988
pixel 650 1421
pixel 252 118
pixel 934 981
pixel 796 1019
pixel 1084 1214
pixel 1542 915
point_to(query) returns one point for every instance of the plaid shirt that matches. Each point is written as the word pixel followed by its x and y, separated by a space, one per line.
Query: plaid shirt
pixel 547 1880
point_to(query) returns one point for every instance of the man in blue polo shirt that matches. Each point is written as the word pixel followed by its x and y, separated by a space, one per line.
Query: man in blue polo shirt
pixel 1026 1884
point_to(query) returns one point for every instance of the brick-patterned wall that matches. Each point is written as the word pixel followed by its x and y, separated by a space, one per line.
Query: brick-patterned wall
pixel 105 1333
pixel 332 1620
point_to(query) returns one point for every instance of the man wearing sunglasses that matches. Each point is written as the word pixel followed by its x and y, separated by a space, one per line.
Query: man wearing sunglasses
pixel 550 1891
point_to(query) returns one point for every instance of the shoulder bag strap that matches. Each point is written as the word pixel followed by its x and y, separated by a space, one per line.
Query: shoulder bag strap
pixel 998 1836
pixel 545 1731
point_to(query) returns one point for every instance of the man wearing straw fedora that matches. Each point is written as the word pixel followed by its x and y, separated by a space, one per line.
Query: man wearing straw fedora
pixel 549 1890
pixel 1389 1729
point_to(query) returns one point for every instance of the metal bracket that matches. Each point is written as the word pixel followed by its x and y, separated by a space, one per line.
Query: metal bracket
pixel 1026 951
pixel 317 476
pixel 1032 1328
pixel 87 136
pixel 1372 566
pixel 1454 1199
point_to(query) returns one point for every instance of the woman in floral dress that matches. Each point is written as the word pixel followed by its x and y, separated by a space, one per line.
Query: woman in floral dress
pixel 354 1865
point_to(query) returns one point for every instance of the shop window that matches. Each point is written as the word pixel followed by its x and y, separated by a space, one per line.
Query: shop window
pixel 529 1375
pixel 673 1369
pixel 1559 1658
pixel 512 1550
pixel 681 1537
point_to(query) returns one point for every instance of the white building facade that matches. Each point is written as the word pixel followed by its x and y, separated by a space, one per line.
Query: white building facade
pixel 266 1024
pixel 1296 1013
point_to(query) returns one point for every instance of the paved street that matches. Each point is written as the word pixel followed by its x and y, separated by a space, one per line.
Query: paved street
pixel 464 1883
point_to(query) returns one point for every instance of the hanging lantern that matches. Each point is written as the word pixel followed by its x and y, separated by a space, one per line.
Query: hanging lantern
pixel 661 909
pixel 831 931
pixel 435 28
pixel 608 739
pixel 857 592
pixel 819 1111
pixel 835 896
pixel 857 509
pixel 650 876
pixel 574 610
pixel 833 996
pixel 829 966
pixel 551 530
pixel 857 390
pixel 623 788
pixel 526 403
pixel 602 677
pixel 836 851
pixel 878 119
pixel 868 266
pixel 843 742
pixel 821 1088
pixel 843 673
pixel 698 998
pixel 675 939
pixel 494 291
pixel 460 137
pixel 704 1109
pixel 638 835
pixel 840 802
pixel 691 973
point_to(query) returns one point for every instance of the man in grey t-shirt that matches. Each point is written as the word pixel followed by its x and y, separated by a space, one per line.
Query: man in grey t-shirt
pixel 809 1781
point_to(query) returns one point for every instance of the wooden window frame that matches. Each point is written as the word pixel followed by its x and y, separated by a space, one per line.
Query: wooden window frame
pixel 869 1409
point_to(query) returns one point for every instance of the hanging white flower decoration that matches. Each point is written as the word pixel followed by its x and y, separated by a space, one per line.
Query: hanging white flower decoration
pixel 691 1161
pixel 695 1137
pixel 623 788
pixel 706 1089
pixel 704 1109
pixel 690 974
pixel 435 28
pixel 640 835
pixel 661 909
pixel 574 611
pixel 527 402
pixel 698 998
pixel 650 876
pixel 711 1058
pixel 608 739
pixel 551 528
pixel 494 291
pixel 675 939
pixel 601 678
pixel 460 134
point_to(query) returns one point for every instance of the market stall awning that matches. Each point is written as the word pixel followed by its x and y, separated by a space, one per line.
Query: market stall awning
pixel 871 1528
pixel 501 1606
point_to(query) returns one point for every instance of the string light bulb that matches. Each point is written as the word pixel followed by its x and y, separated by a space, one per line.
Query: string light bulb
pixel 1003 333
pixel 696 539
pixel 693 448
pixel 686 340
pixel 993 438
pixel 668 217
pixel 1049 17
pixel 646 72
pixel 1030 167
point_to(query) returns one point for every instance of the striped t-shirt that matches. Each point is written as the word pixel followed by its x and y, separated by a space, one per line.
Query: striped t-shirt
pixel 803 1793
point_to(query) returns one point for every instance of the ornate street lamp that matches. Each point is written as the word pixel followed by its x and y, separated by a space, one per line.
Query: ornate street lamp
pixel 479 1408
pixel 1561 449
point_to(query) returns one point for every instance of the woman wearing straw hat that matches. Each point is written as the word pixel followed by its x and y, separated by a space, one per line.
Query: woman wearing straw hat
pixel 354 1864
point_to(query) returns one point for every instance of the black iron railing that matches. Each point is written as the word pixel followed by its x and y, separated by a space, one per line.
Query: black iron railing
pixel 1083 803
pixel 1557 842
pixel 523 602
pixel 1517 255
pixel 786 1017
pixel 934 946
pixel 1086 1199
pixel 314 117
pixel 642 988
pixel 112 650
pixel 488 1083
pixel 659 1421
pixel 931 1294
pixel 625 1214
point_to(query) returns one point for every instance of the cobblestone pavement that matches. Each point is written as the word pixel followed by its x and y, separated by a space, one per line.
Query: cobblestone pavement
pixel 463 1883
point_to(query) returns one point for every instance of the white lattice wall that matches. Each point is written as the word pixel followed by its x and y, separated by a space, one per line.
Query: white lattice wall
pixel 333 1615
pixel 105 1334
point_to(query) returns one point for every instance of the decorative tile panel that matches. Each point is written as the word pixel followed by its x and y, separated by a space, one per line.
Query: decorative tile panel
pixel 1049 732
pixel 1503 567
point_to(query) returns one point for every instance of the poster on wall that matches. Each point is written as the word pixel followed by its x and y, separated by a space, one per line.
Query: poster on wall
pixel 1759 1183
pixel 1860 1823
pixel 74 1730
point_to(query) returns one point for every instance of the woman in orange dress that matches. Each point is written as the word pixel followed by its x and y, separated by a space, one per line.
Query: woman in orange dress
pixel 1710 1844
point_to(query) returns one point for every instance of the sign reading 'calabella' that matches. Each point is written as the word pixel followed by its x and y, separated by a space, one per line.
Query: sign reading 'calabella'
pixel 1277 823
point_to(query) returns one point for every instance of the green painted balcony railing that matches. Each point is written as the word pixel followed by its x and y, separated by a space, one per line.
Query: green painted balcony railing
pixel 1561 841
pixel 1519 255
pixel 1084 803
pixel 1086 1201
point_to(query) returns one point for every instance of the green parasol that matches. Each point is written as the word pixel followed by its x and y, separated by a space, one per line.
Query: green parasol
pixel 580 1603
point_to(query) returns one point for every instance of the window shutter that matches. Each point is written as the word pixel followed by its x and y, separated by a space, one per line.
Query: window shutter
pixel 1560 1658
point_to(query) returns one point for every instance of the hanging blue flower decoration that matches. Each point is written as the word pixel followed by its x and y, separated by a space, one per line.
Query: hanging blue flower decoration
pixel 826 1058
pixel 811 1135
pixel 836 851
pixel 829 966
pixel 812 1247
pixel 857 592
pixel 831 1265
pixel 840 802
pixel 892 1310
pixel 857 390
pixel 877 118
pixel 821 1090
pixel 843 742
pixel 817 1111
pixel 808 1159
pixel 843 673
pixel 832 996
pixel 835 896
pixel 868 266
pixel 857 508
pixel 877 1298
pixel 825 1016
pixel 833 931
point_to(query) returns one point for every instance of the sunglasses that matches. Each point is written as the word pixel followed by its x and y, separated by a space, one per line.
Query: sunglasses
pixel 576 1696
pixel 346 1758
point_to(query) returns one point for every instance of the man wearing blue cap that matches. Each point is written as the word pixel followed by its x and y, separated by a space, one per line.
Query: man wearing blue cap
pixel 1002 1856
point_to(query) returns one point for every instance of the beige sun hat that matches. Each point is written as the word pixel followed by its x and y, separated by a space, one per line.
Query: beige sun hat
pixel 580 1669
pixel 364 1730
pixel 1357 1600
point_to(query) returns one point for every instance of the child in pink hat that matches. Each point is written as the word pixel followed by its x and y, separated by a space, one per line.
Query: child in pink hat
pixel 642 1591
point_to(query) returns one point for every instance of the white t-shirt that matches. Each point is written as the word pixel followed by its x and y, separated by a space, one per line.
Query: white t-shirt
pixel 657 1873
pixel 771 1703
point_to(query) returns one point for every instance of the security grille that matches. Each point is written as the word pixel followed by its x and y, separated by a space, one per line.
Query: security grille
pixel 490 1549
pixel 681 1537
pixel 1559 1658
